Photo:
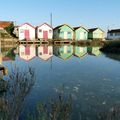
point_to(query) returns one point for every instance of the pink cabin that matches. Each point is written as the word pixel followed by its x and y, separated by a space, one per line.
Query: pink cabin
pixel 44 32
pixel 26 31
pixel 45 52
pixel 27 52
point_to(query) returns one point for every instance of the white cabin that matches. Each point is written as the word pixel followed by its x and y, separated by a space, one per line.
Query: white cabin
pixel 26 32
pixel 44 32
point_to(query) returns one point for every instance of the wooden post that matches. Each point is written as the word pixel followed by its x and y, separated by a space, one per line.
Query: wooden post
pixel 0 43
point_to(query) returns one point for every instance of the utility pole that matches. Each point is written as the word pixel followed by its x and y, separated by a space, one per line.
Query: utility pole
pixel 51 19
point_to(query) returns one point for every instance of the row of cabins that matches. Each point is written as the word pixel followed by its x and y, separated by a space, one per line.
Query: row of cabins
pixel 45 31
pixel 64 32
pixel 64 52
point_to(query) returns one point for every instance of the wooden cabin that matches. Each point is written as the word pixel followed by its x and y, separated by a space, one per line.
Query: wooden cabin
pixel 26 32
pixel 27 52
pixel 45 52
pixel 96 33
pixel 63 32
pixel 80 33
pixel 44 32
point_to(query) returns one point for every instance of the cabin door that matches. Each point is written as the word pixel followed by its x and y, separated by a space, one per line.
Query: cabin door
pixel 82 35
pixel 45 35
pixel 27 35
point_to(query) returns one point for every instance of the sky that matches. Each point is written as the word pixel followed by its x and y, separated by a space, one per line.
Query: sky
pixel 89 13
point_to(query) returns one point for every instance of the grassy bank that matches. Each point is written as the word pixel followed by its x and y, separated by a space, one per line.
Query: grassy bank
pixel 111 46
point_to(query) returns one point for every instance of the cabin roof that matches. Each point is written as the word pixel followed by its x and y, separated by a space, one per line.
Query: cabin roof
pixel 75 28
pixel 63 25
pixel 46 24
pixel 93 29
pixel 27 24
pixel 114 31
pixel 4 24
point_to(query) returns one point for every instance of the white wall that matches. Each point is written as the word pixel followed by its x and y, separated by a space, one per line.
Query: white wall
pixel 44 27
pixel 26 27
pixel 113 36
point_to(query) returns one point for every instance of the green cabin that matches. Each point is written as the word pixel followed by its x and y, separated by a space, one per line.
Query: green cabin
pixel 96 33
pixel 63 52
pixel 80 51
pixel 63 32
pixel 94 50
pixel 80 33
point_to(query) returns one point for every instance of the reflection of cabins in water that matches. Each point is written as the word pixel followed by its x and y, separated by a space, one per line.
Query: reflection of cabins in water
pixel 64 52
pixel 45 52
pixel 94 51
pixel 80 51
pixel 80 33
pixel 27 52
pixel 64 32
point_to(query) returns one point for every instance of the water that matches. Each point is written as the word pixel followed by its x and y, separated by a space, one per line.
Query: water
pixel 89 76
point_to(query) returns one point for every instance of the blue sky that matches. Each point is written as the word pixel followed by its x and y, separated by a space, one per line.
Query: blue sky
pixel 90 13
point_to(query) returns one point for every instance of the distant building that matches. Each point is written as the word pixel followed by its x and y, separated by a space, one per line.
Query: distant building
pixel 45 52
pixel 96 33
pixel 6 28
pixel 113 34
pixel 80 33
pixel 63 32
pixel 26 32
pixel 44 32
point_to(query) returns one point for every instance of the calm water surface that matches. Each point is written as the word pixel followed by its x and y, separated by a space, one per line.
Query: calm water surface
pixel 92 78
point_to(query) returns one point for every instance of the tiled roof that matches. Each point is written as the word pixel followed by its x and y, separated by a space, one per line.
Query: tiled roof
pixel 4 24
pixel 114 31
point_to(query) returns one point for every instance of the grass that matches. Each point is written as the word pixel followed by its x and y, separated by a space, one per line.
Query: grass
pixel 19 85
pixel 112 46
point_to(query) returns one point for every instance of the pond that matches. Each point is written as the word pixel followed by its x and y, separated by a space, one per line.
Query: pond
pixel 87 80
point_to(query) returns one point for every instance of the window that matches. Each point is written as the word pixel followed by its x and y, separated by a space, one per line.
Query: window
pixel 61 32
pixel 21 31
pixel 68 51
pixel 69 33
pixel 40 30
pixel 117 34
pixel 40 53
pixel 111 34
pixel 50 31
